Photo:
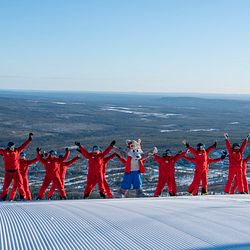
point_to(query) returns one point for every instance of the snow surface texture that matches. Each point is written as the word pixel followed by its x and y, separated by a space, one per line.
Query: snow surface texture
pixel 202 222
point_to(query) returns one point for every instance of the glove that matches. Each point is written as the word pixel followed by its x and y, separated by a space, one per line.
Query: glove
pixel 30 136
pixel 78 150
pixel 66 149
pixel 226 136
pixel 112 143
pixel 215 144
pixel 155 150
pixel 186 143
pixel 224 154
pixel 77 143
pixel 38 149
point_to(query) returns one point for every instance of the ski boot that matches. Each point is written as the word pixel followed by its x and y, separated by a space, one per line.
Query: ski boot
pixel 122 193
pixel 22 198
pixel 204 191
pixel 102 195
pixel 140 194
pixel 86 196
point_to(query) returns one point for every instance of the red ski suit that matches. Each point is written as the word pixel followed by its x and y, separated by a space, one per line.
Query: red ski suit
pixel 95 170
pixel 244 178
pixel 235 166
pixel 167 173
pixel 12 165
pixel 24 167
pixel 200 176
pixel 63 170
pixel 201 161
pixel 106 185
pixel 52 174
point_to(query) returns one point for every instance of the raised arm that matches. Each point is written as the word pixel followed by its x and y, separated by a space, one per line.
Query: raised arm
pixel 109 158
pixel 223 156
pixel 39 157
pixel 145 158
pixel 189 159
pixel 25 144
pixel 66 156
pixel 68 163
pixel 31 162
pixel 212 147
pixel 123 161
pixel 228 144
pixel 180 155
pixel 210 160
pixel 247 159
pixel 157 158
pixel 244 144
pixel 108 149
pixel 82 150
pixel 190 148
pixel 120 153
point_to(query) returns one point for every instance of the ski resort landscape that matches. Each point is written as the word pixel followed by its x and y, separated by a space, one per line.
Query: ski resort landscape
pixel 125 125
pixel 84 117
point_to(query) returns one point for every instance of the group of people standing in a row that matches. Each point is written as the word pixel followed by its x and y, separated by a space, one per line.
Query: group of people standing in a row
pixel 16 169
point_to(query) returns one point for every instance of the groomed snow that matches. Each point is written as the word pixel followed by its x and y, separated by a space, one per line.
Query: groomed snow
pixel 203 222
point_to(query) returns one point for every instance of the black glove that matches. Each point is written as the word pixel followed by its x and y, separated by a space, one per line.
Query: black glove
pixel 38 149
pixel 112 143
pixel 77 143
pixel 224 154
pixel 78 150
pixel 215 144
pixel 30 136
pixel 187 144
pixel 66 149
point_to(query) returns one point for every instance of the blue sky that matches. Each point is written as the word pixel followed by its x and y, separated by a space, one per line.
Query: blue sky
pixel 126 45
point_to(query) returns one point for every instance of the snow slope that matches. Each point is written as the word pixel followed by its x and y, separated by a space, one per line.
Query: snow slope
pixel 210 222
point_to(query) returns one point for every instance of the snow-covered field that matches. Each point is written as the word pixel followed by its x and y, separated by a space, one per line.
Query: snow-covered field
pixel 203 222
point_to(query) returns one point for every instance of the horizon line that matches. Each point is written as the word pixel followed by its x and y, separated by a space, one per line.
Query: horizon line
pixel 124 92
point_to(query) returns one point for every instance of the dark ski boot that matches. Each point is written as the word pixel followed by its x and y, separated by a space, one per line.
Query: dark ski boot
pixel 86 196
pixel 3 198
pixel 102 195
pixel 204 191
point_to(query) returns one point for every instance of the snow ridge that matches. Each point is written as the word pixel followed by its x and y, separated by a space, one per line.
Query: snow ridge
pixel 204 222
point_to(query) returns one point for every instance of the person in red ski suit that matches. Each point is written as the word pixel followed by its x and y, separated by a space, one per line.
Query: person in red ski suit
pixel 12 168
pixel 167 172
pixel 244 178
pixel 235 163
pixel 201 161
pixel 63 170
pixel 105 182
pixel 95 170
pixel 52 167
pixel 24 167
pixel 204 175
